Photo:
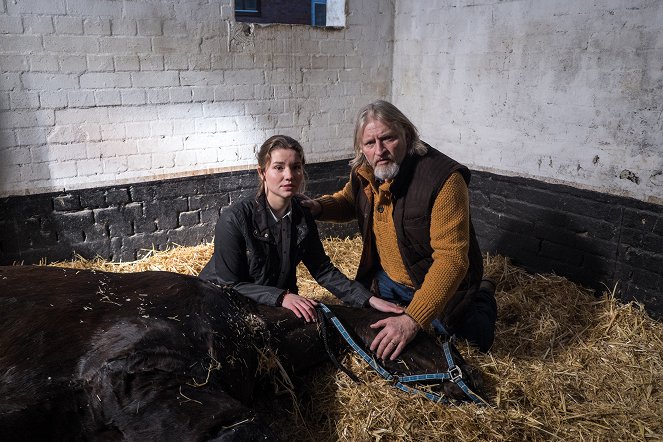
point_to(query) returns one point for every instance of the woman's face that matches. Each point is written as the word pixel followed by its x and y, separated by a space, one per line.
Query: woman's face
pixel 283 175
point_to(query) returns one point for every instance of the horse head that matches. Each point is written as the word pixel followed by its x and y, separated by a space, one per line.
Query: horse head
pixel 299 346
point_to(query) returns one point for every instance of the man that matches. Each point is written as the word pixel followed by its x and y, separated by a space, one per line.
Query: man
pixel 419 246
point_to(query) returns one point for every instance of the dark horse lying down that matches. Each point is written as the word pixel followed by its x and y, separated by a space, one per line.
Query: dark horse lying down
pixel 150 356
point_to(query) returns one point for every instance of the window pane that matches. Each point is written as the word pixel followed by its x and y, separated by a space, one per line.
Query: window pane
pixel 320 14
pixel 247 6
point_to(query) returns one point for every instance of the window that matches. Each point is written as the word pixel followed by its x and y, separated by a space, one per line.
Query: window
pixel 319 12
pixel 249 8
pixel 322 13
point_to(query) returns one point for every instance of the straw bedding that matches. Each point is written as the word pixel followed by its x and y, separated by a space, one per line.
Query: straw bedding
pixel 565 365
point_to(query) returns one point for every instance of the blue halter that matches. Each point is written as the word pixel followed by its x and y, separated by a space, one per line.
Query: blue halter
pixel 454 373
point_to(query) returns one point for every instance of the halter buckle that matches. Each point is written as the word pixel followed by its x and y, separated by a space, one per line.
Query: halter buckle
pixel 456 373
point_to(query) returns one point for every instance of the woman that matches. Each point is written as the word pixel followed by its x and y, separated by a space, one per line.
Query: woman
pixel 260 240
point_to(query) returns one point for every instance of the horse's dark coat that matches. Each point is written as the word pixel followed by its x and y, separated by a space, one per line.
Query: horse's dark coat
pixel 147 356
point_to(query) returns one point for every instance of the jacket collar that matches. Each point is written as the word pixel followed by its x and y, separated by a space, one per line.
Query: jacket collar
pixel 262 215
pixel 260 218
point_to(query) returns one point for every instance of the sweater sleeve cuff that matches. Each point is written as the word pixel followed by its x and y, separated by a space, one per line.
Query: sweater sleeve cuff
pixel 421 313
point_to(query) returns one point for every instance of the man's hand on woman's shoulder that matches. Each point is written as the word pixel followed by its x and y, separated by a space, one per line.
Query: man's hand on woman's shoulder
pixel 312 205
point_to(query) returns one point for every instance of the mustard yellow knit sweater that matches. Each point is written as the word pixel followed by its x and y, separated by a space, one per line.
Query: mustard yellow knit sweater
pixel 449 232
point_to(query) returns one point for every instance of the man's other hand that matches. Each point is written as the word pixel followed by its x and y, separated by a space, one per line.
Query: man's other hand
pixel 312 205
pixel 396 333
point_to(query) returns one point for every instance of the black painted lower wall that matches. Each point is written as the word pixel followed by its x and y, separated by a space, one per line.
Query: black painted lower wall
pixel 598 240
pixel 594 239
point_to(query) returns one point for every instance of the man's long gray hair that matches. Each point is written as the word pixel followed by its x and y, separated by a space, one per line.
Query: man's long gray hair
pixel 391 116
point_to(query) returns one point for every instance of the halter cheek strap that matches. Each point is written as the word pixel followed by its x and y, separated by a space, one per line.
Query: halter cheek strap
pixel 454 373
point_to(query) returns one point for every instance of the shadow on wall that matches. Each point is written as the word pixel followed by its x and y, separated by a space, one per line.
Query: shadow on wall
pixel 544 245
pixel 28 232
pixel 600 241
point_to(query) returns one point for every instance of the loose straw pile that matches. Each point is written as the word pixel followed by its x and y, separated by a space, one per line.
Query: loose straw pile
pixel 565 366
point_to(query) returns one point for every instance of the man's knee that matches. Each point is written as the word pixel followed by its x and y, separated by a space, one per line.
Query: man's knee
pixel 478 326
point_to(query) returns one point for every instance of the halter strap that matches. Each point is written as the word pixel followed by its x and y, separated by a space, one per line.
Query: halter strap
pixel 454 374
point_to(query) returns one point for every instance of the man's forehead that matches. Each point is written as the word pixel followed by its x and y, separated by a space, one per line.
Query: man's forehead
pixel 384 127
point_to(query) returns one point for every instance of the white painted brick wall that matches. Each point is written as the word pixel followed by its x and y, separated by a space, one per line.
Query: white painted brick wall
pixel 99 63
pixel 98 92
pixel 37 25
pixel 54 7
pixel 563 91
pixel 68 25
pixel 72 64
pixel 96 26
pixel 11 25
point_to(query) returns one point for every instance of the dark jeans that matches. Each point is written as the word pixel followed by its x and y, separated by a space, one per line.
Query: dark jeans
pixel 478 326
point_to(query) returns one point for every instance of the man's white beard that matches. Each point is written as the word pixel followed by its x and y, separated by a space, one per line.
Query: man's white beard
pixel 386 172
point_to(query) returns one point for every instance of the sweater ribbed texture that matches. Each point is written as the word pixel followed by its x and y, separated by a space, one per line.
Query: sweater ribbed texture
pixel 450 240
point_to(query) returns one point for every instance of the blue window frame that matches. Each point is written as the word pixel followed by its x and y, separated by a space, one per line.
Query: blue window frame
pixel 247 7
pixel 319 12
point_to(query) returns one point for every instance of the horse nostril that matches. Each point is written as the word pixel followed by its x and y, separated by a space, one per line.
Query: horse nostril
pixel 473 376
pixel 453 391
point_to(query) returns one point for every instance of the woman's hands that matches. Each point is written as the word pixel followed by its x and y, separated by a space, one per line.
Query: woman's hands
pixel 396 333
pixel 381 305
pixel 300 306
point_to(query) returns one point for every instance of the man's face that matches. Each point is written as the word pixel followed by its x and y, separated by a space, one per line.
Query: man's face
pixel 383 149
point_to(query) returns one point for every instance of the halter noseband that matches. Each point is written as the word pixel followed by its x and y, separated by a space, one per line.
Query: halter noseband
pixel 453 374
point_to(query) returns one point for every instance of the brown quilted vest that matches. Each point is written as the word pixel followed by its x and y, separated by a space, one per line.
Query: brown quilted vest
pixel 414 190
